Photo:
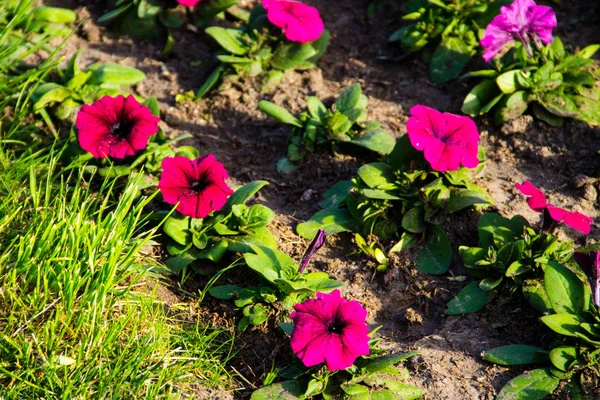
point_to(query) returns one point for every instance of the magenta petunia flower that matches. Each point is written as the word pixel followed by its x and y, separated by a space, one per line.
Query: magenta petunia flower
pixel 300 22
pixel 448 140
pixel 197 185
pixel 523 20
pixel 537 202
pixel 188 3
pixel 330 329
pixel 590 264
pixel 115 127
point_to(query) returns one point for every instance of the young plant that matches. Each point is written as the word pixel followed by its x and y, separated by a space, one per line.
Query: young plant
pixel 574 357
pixel 332 330
pixel 372 251
pixel 156 19
pixel 554 82
pixel 512 256
pixel 72 87
pixel 409 194
pixel 452 26
pixel 258 49
pixel 344 122
pixel 208 223
pixel 283 283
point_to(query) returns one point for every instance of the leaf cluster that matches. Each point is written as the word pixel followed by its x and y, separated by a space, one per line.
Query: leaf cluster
pixel 453 26
pixel 556 83
pixel 574 357
pixel 236 227
pixel 252 50
pixel 401 197
pixel 511 257
pixel 280 285
pixel 344 122
pixel 373 377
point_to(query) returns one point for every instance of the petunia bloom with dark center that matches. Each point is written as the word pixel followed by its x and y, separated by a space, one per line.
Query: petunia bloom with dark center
pixel 115 127
pixel 197 185
pixel 538 203
pixel 330 329
pixel 590 264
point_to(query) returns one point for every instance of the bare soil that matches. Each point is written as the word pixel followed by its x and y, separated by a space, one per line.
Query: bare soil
pixel 407 304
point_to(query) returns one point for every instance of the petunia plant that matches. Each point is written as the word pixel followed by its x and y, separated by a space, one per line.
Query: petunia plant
pixel 282 283
pixel 344 122
pixel 537 73
pixel 157 19
pixel 332 330
pixel 211 218
pixel 574 357
pixel 410 193
pixel 511 255
pixel 279 35
pixel 452 27
pixel 72 86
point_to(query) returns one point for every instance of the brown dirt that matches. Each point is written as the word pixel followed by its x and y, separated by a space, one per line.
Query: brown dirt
pixel 407 304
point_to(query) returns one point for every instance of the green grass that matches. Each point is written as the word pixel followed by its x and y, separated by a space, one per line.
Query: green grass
pixel 77 319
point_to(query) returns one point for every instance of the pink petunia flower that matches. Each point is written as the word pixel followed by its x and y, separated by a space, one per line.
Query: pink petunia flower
pixel 188 3
pixel 300 22
pixel 330 329
pixel 590 264
pixel 537 202
pixel 448 140
pixel 523 20
pixel 115 127
pixel 197 185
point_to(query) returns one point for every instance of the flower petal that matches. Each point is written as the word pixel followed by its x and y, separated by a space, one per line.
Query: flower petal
pixel 300 22
pixel 537 200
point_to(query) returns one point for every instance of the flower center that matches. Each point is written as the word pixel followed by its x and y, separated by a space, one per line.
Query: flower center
pixel 198 186
pixel 335 327
pixel 122 129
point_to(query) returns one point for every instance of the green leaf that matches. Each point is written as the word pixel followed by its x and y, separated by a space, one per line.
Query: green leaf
pixel 563 357
pixel 215 252
pixel 589 51
pixel 407 241
pixel 242 195
pixel 179 262
pixel 49 93
pixel 470 299
pixel 335 196
pixel 488 284
pixel 331 221
pixel 225 292
pixel 356 391
pixel 316 108
pixel 534 292
pixel 463 198
pixel 152 105
pixel 413 220
pixel 565 290
pixel 402 391
pixel 511 107
pixel 231 40
pixel 279 113
pixel 481 98
pixel 54 15
pixel 114 13
pixel 403 153
pixel 207 10
pixel 489 224
pixel 320 45
pixel 532 385
pixel 515 354
pixel 376 140
pixel 349 98
pixel 564 324
pixel 287 390
pixel 449 59
pixel 212 80
pixel 291 55
pixel 509 82
pixel 146 9
pixel 259 216
pixel 177 227
pixel 376 175
pixel 435 256
pixel 114 74
pixel 381 363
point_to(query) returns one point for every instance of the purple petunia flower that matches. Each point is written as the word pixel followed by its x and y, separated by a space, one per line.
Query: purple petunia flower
pixel 330 329
pixel 523 20
pixel 590 264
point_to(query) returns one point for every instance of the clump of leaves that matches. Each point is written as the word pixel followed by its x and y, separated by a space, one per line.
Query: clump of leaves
pixel 254 51
pixel 282 285
pixel 510 258
pixel 401 197
pixel 373 251
pixel 374 376
pixel 452 26
pixel 72 86
pixel 554 82
pixel 575 356
pixel 236 227
pixel 344 122
pixel 156 19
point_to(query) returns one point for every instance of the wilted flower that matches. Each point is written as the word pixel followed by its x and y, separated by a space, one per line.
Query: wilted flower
pixel 188 3
pixel 537 202
pixel 300 22
pixel 590 264
pixel 448 140
pixel 523 20
pixel 315 245
pixel 330 329
pixel 197 185
pixel 115 127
